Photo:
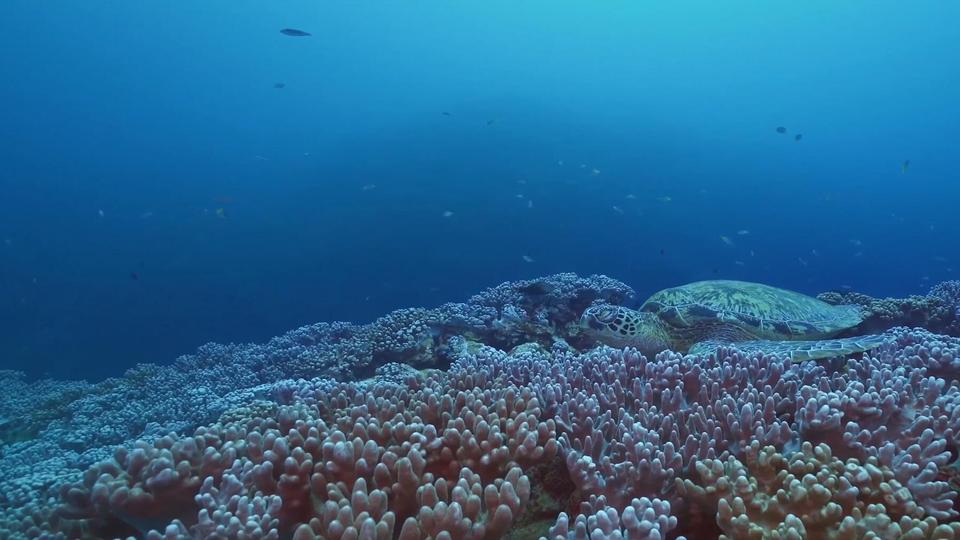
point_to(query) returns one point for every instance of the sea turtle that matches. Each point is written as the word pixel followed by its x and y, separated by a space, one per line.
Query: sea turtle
pixel 700 316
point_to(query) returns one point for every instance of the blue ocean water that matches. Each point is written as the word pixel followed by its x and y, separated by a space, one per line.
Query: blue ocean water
pixel 158 191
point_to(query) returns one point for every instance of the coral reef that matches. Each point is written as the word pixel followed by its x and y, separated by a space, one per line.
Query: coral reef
pixel 937 311
pixel 809 494
pixel 493 419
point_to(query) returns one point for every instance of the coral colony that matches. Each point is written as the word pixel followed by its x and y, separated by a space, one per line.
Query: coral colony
pixel 498 418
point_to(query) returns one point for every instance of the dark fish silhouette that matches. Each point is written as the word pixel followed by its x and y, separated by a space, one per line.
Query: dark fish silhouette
pixel 445 113
pixel 905 166
pixel 490 122
pixel 279 85
pixel 797 137
pixel 663 251
pixel 781 129
pixel 134 276
pixel 294 32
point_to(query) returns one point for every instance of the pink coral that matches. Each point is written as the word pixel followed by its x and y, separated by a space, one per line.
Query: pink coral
pixel 614 436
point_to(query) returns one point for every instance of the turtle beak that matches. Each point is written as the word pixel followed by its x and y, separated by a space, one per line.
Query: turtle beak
pixel 589 320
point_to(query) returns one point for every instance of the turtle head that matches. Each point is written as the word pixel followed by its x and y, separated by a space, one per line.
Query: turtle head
pixel 618 326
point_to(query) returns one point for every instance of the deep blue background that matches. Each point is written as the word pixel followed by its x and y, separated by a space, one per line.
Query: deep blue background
pixel 158 113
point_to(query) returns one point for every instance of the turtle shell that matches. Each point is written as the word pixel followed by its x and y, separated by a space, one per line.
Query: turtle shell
pixel 760 311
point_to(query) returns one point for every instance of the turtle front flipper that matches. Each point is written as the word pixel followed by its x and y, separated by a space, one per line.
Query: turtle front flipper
pixel 800 351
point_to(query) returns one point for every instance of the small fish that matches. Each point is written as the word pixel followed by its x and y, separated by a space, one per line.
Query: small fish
pixel 663 251
pixel 905 167
pixel 279 85
pixel 490 122
pixel 261 158
pixel 739 263
pixel 617 209
pixel 221 213
pixel 797 137
pixel 940 258
pixel 781 130
pixel 7 242
pixel 815 253
pixel 445 113
pixel 752 253
pixel 858 254
pixel 743 232
pixel 802 261
pixel 146 215
pixel 522 182
pixel 100 213
pixel 665 199
pixel 368 187
pixel 306 154
pixel 294 32
pixel 595 172
pixel 447 213
pixel 560 163
pixel 134 276
pixel 631 196
pixel 530 203
pixel 726 240
pixel 527 258
pixel 583 165
pixel 856 242
pixel 519 195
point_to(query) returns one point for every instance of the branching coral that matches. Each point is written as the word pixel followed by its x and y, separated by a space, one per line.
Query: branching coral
pixel 602 443
pixel 938 311
pixel 809 494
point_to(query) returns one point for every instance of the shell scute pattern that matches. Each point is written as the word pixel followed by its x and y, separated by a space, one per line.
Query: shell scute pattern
pixel 768 311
